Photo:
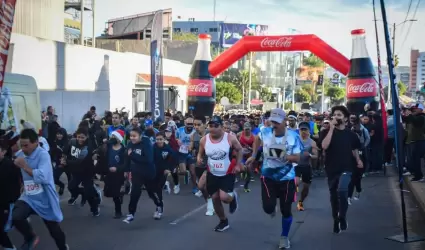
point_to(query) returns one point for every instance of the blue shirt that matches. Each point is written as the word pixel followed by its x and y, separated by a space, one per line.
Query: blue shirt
pixel 276 168
pixel 256 130
pixel 184 139
pixel 40 191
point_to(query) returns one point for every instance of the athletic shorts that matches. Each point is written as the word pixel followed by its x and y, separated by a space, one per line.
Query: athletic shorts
pixel 199 172
pixel 185 159
pixel 304 172
pixel 282 190
pixel 215 183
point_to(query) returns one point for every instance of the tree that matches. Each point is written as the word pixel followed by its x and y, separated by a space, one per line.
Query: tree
pixel 229 90
pixel 336 94
pixel 313 61
pixel 185 36
pixel 309 88
pixel 265 94
pixel 302 96
pixel 402 88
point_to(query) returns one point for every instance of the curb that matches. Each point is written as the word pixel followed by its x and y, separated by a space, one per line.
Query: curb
pixel 420 199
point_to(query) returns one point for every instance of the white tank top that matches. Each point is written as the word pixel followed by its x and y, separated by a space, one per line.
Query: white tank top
pixel 218 155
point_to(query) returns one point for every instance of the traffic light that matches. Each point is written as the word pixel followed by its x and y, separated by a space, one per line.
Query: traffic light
pixel 320 80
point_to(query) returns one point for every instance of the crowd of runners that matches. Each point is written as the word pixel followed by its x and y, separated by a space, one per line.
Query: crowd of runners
pixel 285 150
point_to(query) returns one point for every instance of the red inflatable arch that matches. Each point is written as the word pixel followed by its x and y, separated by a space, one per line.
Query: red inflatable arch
pixel 280 43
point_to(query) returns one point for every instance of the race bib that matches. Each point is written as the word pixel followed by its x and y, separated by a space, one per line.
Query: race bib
pixel 217 166
pixel 184 149
pixel 32 188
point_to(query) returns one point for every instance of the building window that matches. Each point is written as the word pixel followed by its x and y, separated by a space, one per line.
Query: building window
pixel 215 30
pixel 177 30
pixel 194 30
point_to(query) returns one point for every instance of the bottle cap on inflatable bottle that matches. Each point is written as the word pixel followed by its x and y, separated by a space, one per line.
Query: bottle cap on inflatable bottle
pixel 204 48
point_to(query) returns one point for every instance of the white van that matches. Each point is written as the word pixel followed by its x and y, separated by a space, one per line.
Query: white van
pixel 25 98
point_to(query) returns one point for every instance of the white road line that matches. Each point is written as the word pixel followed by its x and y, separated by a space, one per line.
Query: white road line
pixel 184 217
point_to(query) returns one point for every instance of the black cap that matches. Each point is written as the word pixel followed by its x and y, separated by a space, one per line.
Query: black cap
pixel 215 120
pixel 304 125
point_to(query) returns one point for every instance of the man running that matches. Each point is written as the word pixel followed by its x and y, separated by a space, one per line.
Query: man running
pixel 303 169
pixel 39 196
pixel 183 135
pixel 200 169
pixel 281 151
pixel 218 146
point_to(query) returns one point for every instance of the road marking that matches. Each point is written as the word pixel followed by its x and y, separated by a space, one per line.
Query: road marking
pixel 184 217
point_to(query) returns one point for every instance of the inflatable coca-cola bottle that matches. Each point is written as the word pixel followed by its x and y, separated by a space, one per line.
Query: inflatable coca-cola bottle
pixel 361 86
pixel 201 90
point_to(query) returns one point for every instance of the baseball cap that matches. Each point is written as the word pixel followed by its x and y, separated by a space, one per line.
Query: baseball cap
pixel 247 125
pixel 277 115
pixel 304 125
pixel 215 120
pixel 148 122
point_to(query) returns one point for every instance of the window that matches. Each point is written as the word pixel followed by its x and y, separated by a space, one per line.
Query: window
pixel 194 30
pixel 215 30
pixel 177 30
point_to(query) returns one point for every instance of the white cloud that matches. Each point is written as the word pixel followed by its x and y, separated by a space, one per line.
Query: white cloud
pixel 331 20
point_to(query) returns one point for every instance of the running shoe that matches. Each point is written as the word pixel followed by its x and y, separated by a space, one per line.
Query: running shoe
pixel 349 201
pixel 337 228
pixel 210 208
pixel 233 206
pixel 118 215
pixel 72 201
pixel 356 196
pixel 129 219
pixel 300 206
pixel 343 224
pixel 195 190
pixel 222 226
pixel 158 213
pixel 199 193
pixel 96 213
pixel 167 187
pixel 284 242
pixel 99 192
pixel 176 189
pixel 30 245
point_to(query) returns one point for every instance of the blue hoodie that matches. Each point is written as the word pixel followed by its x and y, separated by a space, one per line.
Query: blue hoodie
pixel 141 161
pixel 165 158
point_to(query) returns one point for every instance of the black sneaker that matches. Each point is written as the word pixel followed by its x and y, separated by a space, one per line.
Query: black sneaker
pixel 222 226
pixel 343 224
pixel 83 202
pixel 72 201
pixel 337 228
pixel 233 206
pixel 96 213
pixel 118 215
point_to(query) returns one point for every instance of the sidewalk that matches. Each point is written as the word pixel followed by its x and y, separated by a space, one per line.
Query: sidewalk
pixel 417 189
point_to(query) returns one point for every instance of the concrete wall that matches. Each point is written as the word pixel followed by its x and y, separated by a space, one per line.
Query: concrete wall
pixel 72 77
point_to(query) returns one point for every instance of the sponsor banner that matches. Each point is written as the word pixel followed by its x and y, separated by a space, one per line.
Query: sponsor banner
pixel 157 95
pixel 7 12
pixel 200 87
pixel 360 88
pixel 233 32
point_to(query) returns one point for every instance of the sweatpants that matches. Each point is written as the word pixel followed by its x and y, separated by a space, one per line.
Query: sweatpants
pixel 151 186
pixel 87 192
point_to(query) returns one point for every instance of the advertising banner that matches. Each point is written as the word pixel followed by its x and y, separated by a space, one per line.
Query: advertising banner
pixel 7 12
pixel 157 93
pixel 233 32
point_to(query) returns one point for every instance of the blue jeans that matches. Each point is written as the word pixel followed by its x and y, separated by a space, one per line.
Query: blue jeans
pixel 338 188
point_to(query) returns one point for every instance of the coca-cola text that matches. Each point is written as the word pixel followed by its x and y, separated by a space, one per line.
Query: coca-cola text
pixel 278 42
pixel 359 88
pixel 200 87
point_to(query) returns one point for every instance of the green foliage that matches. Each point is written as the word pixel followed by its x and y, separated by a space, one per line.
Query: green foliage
pixel 335 93
pixel 309 88
pixel 313 61
pixel 402 88
pixel 265 94
pixel 229 90
pixel 287 106
pixel 185 36
pixel 302 96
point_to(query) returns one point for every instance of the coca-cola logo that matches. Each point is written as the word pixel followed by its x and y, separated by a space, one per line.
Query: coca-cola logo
pixel 199 87
pixel 280 42
pixel 361 88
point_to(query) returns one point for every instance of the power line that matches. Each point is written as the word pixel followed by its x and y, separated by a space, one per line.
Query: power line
pixel 405 19
pixel 410 25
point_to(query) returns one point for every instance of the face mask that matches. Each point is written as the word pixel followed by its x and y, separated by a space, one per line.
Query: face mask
pixel 113 141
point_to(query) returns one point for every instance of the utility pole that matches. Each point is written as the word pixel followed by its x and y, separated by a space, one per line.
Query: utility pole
pixel 294 82
pixel 249 81
pixel 93 39
pixel 82 22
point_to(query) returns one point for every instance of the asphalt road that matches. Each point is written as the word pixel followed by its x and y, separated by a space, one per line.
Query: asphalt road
pixel 184 226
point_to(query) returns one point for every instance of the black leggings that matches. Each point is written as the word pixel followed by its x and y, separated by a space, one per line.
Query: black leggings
pixel 4 219
pixel 153 188
pixel 283 190
pixel 20 214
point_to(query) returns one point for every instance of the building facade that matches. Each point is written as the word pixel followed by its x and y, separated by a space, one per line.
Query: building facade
pixel 209 27
pixel 414 55
pixel 420 72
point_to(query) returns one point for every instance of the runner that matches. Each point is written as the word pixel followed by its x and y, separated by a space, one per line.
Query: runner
pixel 39 196
pixel 246 138
pixel 217 146
pixel 303 169
pixel 281 150
pixel 200 169
pixel 185 159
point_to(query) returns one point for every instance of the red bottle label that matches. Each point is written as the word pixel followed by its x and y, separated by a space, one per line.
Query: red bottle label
pixel 200 87
pixel 358 88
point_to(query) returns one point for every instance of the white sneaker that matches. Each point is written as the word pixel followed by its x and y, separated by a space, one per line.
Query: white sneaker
pixel 199 193
pixel 176 189
pixel 407 173
pixel 158 213
pixel 167 187
pixel 99 192
pixel 349 201
pixel 210 208
pixel 129 219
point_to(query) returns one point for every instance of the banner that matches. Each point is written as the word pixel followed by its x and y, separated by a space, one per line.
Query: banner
pixel 157 93
pixel 230 33
pixel 157 88
pixel 7 12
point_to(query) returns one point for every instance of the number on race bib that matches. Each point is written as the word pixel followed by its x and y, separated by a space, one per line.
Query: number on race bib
pixel 32 188
pixel 184 149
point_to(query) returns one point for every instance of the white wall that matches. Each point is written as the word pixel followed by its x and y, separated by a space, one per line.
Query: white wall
pixel 72 77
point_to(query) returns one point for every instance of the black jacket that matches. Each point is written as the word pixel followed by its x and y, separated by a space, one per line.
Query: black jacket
pixel 10 182
pixel 141 161
pixel 79 157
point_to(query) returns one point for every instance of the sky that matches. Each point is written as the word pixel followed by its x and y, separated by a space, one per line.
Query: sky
pixel 331 20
